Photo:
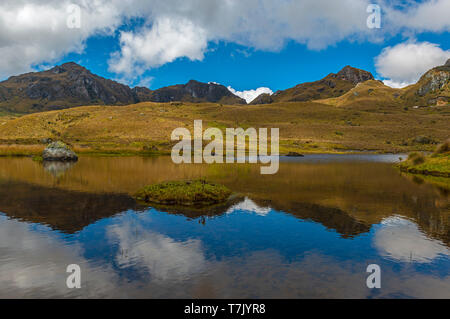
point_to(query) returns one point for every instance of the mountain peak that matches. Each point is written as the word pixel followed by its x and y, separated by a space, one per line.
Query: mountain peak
pixel 447 63
pixel 354 75
pixel 68 66
pixel 192 81
pixel 72 65
pixel 62 86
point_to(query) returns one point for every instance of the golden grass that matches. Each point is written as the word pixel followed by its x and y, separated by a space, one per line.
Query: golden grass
pixel 305 127
pixel 185 193
pixel 20 150
pixel 436 164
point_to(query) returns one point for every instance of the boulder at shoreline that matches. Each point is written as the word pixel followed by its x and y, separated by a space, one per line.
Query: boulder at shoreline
pixel 58 151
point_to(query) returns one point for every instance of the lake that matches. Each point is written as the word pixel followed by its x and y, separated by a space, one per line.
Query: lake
pixel 309 231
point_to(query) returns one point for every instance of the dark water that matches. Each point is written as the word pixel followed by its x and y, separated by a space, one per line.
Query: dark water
pixel 308 231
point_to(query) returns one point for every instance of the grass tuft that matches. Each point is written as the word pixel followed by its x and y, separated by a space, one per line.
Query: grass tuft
pixel 416 158
pixel 443 148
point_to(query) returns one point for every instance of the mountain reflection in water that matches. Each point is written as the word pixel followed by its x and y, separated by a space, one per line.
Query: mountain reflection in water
pixel 308 231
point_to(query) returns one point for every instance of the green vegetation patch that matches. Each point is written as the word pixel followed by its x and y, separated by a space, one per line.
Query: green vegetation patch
pixel 437 164
pixel 184 193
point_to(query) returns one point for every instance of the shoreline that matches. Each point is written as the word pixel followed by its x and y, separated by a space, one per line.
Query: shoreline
pixel 423 172
pixel 437 165
pixel 32 150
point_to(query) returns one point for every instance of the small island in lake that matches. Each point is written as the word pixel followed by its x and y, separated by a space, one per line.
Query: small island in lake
pixel 197 193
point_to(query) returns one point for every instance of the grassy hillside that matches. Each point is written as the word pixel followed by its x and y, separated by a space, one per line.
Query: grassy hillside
pixel 304 126
pixel 368 95
pixel 332 85
pixel 314 90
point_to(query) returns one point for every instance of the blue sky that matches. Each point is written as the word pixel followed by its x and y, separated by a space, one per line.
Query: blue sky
pixel 242 44
pixel 245 68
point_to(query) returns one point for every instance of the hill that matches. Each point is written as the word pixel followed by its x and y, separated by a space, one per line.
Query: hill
pixel 196 92
pixel 61 87
pixel 369 95
pixel 433 88
pixel 70 85
pixel 357 88
pixel 332 85
pixel 304 126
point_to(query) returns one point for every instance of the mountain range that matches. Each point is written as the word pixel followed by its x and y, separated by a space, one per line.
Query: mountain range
pixel 70 85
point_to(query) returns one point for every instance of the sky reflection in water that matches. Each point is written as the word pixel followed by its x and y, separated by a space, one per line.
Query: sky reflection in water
pixel 272 246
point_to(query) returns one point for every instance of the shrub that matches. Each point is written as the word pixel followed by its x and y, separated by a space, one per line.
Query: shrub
pixel 443 148
pixel 416 158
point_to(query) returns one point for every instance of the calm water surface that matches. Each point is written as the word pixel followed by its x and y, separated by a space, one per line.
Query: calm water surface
pixel 307 232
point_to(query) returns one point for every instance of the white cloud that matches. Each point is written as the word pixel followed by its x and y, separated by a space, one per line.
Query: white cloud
pixel 146 81
pixel 250 95
pixel 400 239
pixel 167 40
pixel 33 32
pixel 431 16
pixel 396 85
pixel 405 63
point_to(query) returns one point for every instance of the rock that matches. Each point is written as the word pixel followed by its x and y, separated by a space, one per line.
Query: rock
pixel 447 63
pixel 294 154
pixel 58 151
pixel 423 140
pixel 195 91
pixel 354 75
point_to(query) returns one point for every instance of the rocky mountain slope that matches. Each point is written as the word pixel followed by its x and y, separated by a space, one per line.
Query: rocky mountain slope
pixel 433 88
pixel 197 92
pixel 332 85
pixel 61 87
pixel 70 85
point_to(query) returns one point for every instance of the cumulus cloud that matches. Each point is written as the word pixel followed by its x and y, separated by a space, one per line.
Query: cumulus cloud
pixel 431 16
pixel 400 239
pixel 250 95
pixel 167 40
pixel 33 32
pixel 405 63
